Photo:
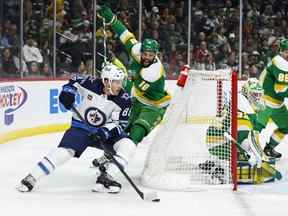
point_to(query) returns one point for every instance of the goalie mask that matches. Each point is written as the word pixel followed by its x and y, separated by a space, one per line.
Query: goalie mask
pixel 112 78
pixel 253 91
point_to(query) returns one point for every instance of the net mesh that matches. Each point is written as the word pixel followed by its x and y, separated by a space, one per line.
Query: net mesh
pixel 189 148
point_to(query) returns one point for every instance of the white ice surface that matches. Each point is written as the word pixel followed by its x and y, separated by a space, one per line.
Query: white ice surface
pixel 67 191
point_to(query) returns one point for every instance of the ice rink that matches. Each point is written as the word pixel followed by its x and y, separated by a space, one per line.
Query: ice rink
pixel 67 190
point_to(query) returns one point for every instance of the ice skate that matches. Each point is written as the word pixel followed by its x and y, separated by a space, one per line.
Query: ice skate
pixel 106 183
pixel 27 184
pixel 98 162
pixel 270 152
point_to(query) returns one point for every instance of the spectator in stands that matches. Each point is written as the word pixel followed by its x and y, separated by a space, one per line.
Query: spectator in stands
pixel 32 54
pixel 214 22
pixel 34 70
pixel 272 51
pixel 4 40
pixel 200 53
pixel 12 36
pixel 254 71
pixel 10 64
pixel 46 70
pixel 210 62
pixel 201 37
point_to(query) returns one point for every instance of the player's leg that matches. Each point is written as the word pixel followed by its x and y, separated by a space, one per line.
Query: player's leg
pixel 116 134
pixel 73 143
pixel 108 181
pixel 134 113
pixel 148 118
pixel 280 118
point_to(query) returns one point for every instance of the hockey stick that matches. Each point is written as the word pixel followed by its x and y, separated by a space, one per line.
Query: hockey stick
pixel 151 196
pixel 265 165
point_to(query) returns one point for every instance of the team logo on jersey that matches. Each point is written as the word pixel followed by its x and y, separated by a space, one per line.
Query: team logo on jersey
pixel 95 117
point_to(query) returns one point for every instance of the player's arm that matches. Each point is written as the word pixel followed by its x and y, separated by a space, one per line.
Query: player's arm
pixel 69 91
pixel 127 38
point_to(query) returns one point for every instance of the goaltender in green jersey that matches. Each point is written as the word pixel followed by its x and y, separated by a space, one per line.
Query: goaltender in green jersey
pixel 249 104
pixel 150 98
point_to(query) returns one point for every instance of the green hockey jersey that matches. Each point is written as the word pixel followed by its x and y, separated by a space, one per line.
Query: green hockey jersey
pixel 148 82
pixel 274 80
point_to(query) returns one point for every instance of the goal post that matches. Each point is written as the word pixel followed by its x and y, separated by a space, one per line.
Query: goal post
pixel 189 149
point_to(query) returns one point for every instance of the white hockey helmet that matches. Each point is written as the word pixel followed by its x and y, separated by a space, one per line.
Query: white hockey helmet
pixel 112 72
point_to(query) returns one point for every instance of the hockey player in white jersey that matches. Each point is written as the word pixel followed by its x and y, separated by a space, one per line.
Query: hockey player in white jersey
pixel 103 99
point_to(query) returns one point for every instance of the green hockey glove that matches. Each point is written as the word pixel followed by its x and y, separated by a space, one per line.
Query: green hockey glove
pixel 105 13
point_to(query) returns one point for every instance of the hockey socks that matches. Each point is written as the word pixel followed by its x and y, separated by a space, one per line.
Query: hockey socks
pixel 45 167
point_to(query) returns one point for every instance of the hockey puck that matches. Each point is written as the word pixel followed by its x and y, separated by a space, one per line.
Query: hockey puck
pixel 156 200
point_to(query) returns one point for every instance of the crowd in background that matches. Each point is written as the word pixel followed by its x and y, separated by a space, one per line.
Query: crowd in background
pixel 214 34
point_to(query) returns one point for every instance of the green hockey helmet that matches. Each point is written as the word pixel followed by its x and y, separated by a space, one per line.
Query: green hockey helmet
pixel 253 91
pixel 150 45
pixel 284 44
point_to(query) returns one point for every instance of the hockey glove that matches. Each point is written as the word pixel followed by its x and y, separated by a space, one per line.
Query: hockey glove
pixel 105 13
pixel 101 134
pixel 67 96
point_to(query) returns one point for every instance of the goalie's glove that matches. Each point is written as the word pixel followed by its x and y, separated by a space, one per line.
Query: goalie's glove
pixel 101 134
pixel 67 96
pixel 253 160
pixel 106 14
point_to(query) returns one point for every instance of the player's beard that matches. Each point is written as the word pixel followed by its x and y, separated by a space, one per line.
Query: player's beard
pixel 146 62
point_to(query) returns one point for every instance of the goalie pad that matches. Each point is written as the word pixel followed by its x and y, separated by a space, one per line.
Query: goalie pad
pixel 249 145
pixel 246 173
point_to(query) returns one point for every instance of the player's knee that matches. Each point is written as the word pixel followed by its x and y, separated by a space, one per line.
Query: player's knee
pixel 125 149
pixel 137 133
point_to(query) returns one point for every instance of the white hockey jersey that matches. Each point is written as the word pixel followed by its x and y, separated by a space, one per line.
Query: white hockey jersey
pixel 96 108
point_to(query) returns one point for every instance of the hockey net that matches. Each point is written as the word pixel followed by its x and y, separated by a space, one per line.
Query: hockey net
pixel 189 149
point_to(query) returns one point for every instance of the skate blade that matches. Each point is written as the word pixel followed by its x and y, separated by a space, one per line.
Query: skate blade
pixel 99 188
pixel 22 188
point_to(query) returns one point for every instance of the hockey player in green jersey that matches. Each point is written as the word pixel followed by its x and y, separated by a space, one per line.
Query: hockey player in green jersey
pixel 148 78
pixel 274 80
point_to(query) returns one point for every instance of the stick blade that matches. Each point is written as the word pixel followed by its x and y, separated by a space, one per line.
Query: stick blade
pixel 151 196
